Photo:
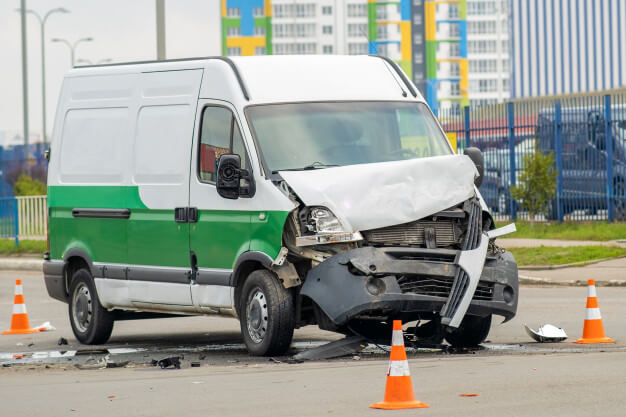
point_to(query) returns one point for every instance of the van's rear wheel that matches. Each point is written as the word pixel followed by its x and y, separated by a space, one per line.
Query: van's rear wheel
pixel 91 323
pixel 267 314
pixel 472 332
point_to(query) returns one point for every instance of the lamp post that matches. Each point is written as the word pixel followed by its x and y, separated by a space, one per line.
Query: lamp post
pixel 72 46
pixel 42 21
pixel 90 62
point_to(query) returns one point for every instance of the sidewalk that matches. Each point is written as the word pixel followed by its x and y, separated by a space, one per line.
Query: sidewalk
pixel 605 273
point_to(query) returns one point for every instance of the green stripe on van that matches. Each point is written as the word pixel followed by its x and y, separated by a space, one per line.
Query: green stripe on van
pixel 104 196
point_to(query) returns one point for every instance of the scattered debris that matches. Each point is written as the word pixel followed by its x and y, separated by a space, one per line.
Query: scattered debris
pixel 356 358
pixel 45 327
pixel 173 361
pixel 547 333
pixel 6 365
pixel 92 363
pixel 122 364
pixel 232 361
pixel 342 347
pixel 18 356
pixel 62 341
pixel 195 364
pixel 274 360
pixel 468 395
pixel 111 396
pixel 31 344
pixel 19 344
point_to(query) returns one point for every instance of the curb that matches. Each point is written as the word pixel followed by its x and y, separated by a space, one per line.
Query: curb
pixel 570 265
pixel 21 264
pixel 526 280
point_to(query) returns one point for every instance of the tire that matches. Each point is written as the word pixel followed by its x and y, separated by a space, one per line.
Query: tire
pixel 472 332
pixel 91 323
pixel 267 316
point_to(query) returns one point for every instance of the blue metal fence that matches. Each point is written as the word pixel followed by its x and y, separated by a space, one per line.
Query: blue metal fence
pixel 586 134
pixel 9 226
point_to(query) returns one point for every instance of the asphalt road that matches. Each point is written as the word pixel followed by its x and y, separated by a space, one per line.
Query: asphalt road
pixel 513 376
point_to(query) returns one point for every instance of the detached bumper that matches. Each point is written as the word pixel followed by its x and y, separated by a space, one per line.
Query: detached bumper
pixel 414 283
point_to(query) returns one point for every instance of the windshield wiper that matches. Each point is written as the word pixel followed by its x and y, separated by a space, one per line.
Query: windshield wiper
pixel 314 165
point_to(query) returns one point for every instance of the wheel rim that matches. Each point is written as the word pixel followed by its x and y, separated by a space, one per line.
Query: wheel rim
pixel 256 315
pixel 82 312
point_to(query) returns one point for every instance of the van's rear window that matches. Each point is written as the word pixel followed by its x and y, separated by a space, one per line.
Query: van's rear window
pixel 314 135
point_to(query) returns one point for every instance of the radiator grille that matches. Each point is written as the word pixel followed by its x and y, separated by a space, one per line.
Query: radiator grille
pixel 440 287
pixel 413 234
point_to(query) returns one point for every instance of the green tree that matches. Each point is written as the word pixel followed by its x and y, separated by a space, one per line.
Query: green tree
pixel 25 185
pixel 537 183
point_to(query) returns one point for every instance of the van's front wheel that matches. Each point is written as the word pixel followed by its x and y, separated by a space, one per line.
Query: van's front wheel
pixel 91 323
pixel 267 314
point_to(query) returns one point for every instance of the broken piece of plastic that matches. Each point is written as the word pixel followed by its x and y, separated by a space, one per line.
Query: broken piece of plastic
pixel 45 327
pixel 547 333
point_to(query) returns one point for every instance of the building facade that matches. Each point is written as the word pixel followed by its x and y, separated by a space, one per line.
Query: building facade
pixel 567 46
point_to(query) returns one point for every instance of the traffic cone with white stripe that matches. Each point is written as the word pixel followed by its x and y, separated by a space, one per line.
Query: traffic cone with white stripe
pixel 593 331
pixel 399 388
pixel 19 320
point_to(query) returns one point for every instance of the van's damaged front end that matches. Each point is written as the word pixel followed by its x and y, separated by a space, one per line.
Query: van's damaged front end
pixel 440 268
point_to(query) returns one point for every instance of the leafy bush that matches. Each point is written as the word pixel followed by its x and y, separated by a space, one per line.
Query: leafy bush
pixel 25 185
pixel 537 183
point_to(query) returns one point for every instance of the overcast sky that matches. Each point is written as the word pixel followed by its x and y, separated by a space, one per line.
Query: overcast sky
pixel 123 30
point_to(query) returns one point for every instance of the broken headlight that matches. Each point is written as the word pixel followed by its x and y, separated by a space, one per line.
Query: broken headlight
pixel 321 226
pixel 322 220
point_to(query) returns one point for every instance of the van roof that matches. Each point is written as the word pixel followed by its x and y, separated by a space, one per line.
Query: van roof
pixel 284 78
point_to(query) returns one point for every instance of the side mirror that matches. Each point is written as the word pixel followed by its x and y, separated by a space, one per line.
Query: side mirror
pixel 228 176
pixel 477 158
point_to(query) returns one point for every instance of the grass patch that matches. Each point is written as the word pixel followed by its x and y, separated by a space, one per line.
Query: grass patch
pixel 597 231
pixel 555 255
pixel 7 247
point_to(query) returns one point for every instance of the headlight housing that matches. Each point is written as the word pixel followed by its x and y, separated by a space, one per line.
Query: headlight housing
pixel 322 220
pixel 321 226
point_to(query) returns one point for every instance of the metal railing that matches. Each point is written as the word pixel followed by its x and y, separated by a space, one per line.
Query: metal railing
pixel 32 213
pixel 586 134
pixel 9 219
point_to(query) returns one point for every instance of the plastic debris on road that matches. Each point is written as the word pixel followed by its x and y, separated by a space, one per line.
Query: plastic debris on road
pixel 547 333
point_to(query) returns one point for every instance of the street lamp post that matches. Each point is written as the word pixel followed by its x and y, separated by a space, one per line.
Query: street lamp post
pixel 42 21
pixel 90 62
pixel 72 46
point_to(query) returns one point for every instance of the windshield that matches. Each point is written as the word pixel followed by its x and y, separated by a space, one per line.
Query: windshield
pixel 318 135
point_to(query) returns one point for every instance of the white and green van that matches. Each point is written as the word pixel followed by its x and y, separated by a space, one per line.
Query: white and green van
pixel 280 190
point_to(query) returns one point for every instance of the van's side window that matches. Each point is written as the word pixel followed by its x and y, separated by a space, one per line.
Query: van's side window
pixel 220 134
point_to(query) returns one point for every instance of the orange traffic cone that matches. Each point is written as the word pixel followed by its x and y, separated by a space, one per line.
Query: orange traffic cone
pixel 19 320
pixel 399 389
pixel 593 331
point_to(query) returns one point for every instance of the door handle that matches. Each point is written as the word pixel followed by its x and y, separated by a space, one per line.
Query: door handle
pixel 181 214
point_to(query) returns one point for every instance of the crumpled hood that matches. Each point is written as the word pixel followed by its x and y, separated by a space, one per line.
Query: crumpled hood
pixel 370 196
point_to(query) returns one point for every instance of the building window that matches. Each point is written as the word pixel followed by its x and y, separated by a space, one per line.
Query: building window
pixel 453 11
pixel 327 49
pixel 327 10
pixel 455 89
pixel 505 84
pixel 258 12
pixel 382 32
pixel 259 31
pixel 482 47
pixel 233 12
pixel 357 10
pixel 294 10
pixel 295 48
pixel 327 30
pixel 381 12
pixel 483 65
pixel 233 51
pixel 357 48
pixel 293 30
pixel 357 30
pixel 454 49
pixel 481 8
pixel 481 27
pixel 259 50
pixel 233 31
